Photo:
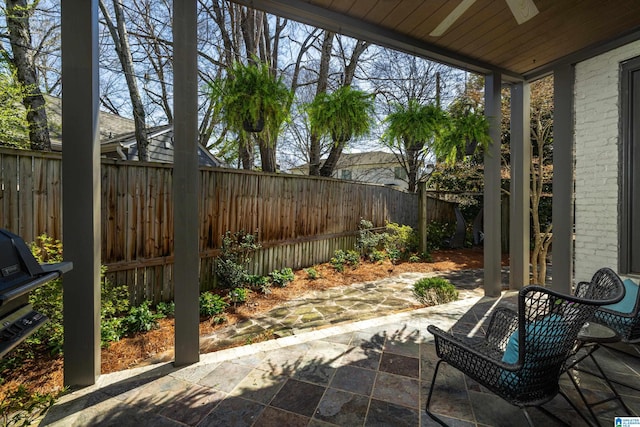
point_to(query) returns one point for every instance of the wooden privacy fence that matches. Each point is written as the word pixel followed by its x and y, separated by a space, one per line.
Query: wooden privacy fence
pixel 300 220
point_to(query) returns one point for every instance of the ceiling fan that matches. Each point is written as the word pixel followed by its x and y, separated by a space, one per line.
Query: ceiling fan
pixel 522 10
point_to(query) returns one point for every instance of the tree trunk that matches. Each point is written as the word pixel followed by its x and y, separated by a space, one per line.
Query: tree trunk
pixel 121 41
pixel 331 162
pixel 412 163
pixel 267 156
pixel 18 14
pixel 323 77
pixel 245 153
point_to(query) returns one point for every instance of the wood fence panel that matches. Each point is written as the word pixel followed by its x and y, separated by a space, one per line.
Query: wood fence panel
pixel 300 220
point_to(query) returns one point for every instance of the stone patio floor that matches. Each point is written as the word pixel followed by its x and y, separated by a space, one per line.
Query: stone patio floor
pixel 368 370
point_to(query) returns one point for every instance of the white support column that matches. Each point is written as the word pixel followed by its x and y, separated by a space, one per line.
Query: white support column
pixel 186 182
pixel 81 191
pixel 519 217
pixel 492 255
pixel 563 170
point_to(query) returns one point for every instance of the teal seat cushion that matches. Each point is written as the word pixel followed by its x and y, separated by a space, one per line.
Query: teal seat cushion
pixel 628 303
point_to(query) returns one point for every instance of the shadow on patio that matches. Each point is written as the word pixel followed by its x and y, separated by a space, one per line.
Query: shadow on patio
pixel 374 372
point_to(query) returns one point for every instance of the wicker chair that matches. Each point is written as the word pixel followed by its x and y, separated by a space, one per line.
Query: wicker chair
pixel 623 317
pixel 547 323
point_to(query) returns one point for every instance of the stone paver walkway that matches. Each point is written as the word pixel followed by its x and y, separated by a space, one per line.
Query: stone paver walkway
pixel 322 308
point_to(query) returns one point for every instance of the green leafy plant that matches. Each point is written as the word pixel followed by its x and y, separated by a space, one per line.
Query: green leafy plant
pixel 468 134
pixel 410 129
pixel 19 407
pixel 238 295
pixel 14 128
pixel 414 258
pixel 368 240
pixel 47 299
pixel 212 304
pixel 344 113
pixel 251 95
pixel 114 304
pixel 434 290
pixel 312 273
pixel 167 309
pixel 111 330
pixel 282 277
pixel 436 233
pixel 401 241
pixel 141 318
pixel 259 283
pixel 341 258
pixel 236 253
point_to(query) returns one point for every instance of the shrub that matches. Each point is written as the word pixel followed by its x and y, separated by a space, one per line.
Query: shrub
pixel 341 258
pixel 141 318
pixel 259 283
pixel 238 295
pixel 434 290
pixel 401 241
pixel 236 253
pixel 47 299
pixel 312 273
pixel 167 309
pixel 437 232
pixel 111 330
pixel 211 304
pixel 369 241
pixel 282 277
pixel 376 256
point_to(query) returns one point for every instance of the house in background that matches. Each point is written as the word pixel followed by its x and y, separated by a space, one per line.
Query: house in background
pixel 124 147
pixel 111 125
pixel 118 141
pixel 375 167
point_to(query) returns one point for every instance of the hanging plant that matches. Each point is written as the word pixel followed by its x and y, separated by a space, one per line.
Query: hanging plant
pixel 250 98
pixel 415 125
pixel 468 134
pixel 342 114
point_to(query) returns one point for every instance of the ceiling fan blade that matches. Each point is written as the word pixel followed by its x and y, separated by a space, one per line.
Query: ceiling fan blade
pixel 522 10
pixel 452 17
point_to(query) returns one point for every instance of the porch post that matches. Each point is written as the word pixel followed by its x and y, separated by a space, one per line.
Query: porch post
pixel 422 216
pixel 563 169
pixel 492 258
pixel 186 182
pixel 520 186
pixel 81 191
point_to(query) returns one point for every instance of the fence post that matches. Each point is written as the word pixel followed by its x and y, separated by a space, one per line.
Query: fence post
pixel 422 216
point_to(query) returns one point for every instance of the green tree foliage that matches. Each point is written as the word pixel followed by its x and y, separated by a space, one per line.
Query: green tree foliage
pixel 14 129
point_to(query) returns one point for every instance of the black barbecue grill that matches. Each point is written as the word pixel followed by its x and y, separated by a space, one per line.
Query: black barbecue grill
pixel 20 273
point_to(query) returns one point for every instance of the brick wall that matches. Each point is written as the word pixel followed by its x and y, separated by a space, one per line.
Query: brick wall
pixel 597 150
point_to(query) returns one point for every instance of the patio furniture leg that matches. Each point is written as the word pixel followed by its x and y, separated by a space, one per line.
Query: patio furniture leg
pixel 433 382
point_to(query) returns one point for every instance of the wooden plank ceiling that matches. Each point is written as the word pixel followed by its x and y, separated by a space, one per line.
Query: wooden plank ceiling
pixel 487 31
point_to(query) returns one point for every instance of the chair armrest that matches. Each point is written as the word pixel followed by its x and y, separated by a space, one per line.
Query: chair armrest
pixel 459 352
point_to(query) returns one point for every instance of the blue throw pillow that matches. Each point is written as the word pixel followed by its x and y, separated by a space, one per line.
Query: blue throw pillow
pixel 545 333
pixel 628 303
